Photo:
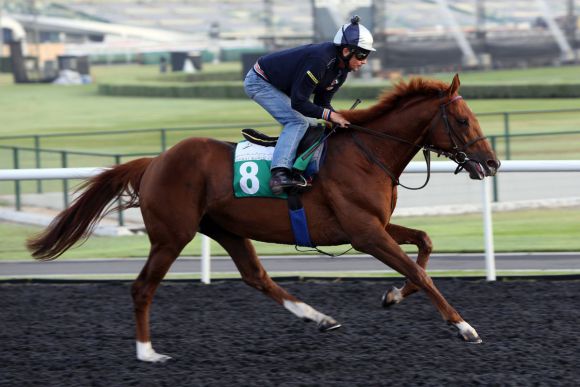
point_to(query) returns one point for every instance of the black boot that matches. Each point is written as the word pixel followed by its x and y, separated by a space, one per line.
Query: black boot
pixel 283 178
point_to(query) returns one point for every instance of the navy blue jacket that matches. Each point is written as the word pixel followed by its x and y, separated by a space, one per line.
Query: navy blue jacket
pixel 302 71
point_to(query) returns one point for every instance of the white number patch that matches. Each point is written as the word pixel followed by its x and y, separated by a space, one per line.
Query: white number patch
pixel 249 181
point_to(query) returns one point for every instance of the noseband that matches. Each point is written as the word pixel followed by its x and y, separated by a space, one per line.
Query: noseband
pixel 457 154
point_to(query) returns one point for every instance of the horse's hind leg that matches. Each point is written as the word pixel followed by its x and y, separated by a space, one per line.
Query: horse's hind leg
pixel 253 273
pixel 403 235
pixel 172 231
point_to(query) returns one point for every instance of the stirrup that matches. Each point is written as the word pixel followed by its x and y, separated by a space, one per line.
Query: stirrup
pixel 302 184
pixel 292 184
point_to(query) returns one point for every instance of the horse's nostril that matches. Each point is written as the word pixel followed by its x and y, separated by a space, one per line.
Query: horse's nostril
pixel 493 164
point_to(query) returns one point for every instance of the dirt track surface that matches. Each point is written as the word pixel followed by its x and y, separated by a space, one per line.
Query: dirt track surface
pixel 229 334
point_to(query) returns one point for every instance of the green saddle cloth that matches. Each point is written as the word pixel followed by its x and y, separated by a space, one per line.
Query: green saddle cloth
pixel 252 168
pixel 252 171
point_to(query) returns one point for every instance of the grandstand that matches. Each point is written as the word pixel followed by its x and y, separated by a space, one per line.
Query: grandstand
pixel 249 17
pixel 411 33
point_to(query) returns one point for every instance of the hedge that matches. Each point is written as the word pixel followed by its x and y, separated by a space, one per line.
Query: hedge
pixel 234 89
pixel 200 77
pixel 219 90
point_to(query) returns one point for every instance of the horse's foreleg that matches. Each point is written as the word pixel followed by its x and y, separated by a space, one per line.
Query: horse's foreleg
pixel 403 235
pixel 253 273
pixel 378 243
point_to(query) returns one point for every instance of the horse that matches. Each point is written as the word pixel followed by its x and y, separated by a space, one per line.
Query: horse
pixel 188 189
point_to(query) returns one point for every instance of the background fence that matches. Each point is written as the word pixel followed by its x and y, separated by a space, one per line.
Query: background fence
pixel 46 151
pixel 413 167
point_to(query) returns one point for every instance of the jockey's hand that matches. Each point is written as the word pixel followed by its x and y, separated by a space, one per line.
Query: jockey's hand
pixel 339 119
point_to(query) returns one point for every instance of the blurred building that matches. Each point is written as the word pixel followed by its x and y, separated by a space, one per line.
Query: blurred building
pixel 412 35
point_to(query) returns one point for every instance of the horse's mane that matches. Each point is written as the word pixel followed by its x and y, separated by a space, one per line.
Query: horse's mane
pixel 394 98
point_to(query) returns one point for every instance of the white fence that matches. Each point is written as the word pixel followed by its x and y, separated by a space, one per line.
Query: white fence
pixel 413 167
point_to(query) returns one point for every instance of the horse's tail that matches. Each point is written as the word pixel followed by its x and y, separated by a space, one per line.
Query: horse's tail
pixel 81 217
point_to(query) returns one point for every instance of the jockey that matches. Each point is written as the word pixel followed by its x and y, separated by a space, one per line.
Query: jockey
pixel 282 83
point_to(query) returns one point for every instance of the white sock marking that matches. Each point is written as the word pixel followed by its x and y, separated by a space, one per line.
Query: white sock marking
pixel 466 329
pixel 145 352
pixel 303 310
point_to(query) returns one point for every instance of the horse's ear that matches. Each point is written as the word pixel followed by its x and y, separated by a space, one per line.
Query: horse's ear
pixel 454 85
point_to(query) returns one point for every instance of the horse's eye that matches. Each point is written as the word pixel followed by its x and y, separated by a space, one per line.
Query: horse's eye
pixel 463 121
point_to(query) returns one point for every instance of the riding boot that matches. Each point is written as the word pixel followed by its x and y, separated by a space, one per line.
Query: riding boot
pixel 283 178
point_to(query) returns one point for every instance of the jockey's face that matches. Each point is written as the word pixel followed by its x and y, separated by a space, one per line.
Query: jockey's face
pixel 354 63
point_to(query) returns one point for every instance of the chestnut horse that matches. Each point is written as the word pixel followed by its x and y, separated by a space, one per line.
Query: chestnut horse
pixel 188 189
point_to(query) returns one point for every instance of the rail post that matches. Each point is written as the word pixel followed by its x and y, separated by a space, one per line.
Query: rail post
pixel 163 140
pixel 16 164
pixel 495 179
pixel 488 230
pixel 506 132
pixel 64 164
pixel 120 216
pixel 205 260
pixel 37 161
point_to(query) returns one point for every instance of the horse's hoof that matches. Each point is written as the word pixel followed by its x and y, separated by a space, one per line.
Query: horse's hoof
pixel 471 339
pixel 145 352
pixel 391 297
pixel 467 333
pixel 328 325
pixel 155 358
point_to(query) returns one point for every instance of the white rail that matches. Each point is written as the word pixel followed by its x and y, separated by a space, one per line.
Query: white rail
pixel 413 167
pixel 49 173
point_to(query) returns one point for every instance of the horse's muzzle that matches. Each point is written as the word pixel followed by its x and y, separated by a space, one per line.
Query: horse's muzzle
pixel 491 167
pixel 478 170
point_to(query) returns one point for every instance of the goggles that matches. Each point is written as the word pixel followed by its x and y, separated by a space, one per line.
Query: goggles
pixel 361 55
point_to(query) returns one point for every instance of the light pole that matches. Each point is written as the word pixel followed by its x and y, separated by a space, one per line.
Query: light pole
pixel 270 40
pixel 379 11
pixel 571 25
pixel 1 31
pixel 480 21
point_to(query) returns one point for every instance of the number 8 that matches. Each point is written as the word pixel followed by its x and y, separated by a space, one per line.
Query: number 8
pixel 249 171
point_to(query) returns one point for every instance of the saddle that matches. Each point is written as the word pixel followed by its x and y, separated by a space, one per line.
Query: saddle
pixel 312 136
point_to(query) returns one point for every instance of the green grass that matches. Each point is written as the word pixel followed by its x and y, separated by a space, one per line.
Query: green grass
pixel 531 230
pixel 42 109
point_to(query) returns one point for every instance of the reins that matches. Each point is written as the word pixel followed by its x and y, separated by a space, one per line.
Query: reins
pixel 380 134
pixel 371 157
pixel 457 154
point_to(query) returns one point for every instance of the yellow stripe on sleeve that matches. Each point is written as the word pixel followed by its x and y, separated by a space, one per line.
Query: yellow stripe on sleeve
pixel 312 77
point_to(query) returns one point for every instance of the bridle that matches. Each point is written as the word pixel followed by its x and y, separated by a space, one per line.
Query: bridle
pixel 457 154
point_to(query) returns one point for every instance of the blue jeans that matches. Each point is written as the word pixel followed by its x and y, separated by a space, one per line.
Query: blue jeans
pixel 279 106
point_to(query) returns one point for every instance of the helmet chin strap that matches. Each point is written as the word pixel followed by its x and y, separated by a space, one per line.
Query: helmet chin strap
pixel 346 59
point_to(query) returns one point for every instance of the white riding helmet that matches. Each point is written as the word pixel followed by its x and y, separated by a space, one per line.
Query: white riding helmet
pixel 354 34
